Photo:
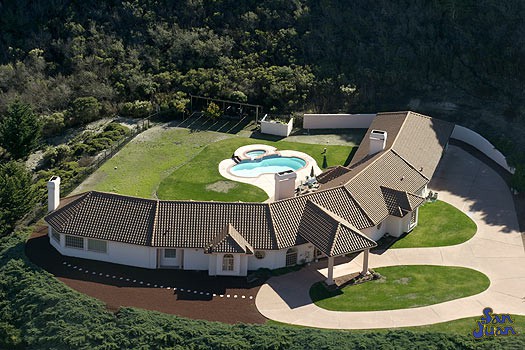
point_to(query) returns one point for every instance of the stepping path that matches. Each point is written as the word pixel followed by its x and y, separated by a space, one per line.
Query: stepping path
pixel 496 250
pixel 152 285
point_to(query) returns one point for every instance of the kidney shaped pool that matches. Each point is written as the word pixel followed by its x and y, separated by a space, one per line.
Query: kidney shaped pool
pixel 269 164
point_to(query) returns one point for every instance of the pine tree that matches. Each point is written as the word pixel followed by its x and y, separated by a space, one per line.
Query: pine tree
pixel 17 194
pixel 20 130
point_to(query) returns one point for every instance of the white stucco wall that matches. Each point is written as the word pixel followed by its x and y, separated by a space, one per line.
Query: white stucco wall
pixel 276 128
pixel 239 265
pixel 482 144
pixel 374 233
pixel 337 121
pixel 118 253
pixel 273 259
pixel 195 259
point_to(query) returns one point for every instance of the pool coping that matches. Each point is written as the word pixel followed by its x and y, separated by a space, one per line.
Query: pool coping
pixel 266 181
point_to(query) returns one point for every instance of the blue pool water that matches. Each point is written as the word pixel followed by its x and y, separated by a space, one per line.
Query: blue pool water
pixel 255 153
pixel 270 164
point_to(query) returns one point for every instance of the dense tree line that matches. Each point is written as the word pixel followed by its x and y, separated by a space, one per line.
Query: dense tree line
pixel 74 61
pixel 39 312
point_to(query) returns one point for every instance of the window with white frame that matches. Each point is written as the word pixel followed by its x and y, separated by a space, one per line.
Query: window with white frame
pixel 170 253
pixel 97 245
pixel 74 242
pixel 55 235
pixel 227 262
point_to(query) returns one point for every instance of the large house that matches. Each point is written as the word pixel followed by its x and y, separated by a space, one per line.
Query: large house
pixel 378 193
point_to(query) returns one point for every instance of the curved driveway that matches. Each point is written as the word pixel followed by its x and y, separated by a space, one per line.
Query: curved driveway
pixel 496 250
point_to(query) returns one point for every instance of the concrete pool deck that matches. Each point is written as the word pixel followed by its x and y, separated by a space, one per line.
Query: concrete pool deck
pixel 495 250
pixel 266 181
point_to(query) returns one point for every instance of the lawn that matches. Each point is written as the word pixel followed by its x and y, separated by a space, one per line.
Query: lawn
pixel 200 178
pixel 141 165
pixel 440 224
pixel 403 287
pixel 462 326
pixel 170 163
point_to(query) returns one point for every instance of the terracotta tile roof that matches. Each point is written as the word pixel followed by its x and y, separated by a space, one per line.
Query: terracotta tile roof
pixel 229 241
pixel 192 224
pixel 399 203
pixel 329 233
pixel 421 141
pixel 106 216
pixel 387 170
pixel 287 213
pixel 417 138
pixel 332 173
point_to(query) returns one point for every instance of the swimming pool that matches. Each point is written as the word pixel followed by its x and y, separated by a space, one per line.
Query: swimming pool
pixel 255 153
pixel 269 164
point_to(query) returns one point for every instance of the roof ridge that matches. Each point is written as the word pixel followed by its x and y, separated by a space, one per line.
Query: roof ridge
pixel 409 164
pixel 358 204
pixel 154 224
pixel 71 204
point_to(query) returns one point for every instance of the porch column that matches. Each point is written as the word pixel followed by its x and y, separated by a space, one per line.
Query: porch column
pixel 365 261
pixel 330 279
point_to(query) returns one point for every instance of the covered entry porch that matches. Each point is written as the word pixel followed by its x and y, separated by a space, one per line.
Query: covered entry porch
pixel 333 236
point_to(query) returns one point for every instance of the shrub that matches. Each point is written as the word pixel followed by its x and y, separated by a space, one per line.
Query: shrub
pixel 84 110
pixel 136 109
pixel 56 155
pixel 53 124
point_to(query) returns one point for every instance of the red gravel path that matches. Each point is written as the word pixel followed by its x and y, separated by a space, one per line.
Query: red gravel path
pixel 116 291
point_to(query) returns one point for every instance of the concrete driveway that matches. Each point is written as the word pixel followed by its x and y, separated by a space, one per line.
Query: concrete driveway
pixel 496 250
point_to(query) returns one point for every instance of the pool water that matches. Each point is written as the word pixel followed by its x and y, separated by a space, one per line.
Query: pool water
pixel 255 153
pixel 270 164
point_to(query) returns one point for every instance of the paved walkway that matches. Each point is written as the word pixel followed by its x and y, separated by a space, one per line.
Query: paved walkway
pixel 496 250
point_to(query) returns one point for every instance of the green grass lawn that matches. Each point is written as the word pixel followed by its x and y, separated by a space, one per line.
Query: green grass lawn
pixel 143 163
pixel 403 287
pixel 193 180
pixel 440 224
pixel 462 326
pixel 180 164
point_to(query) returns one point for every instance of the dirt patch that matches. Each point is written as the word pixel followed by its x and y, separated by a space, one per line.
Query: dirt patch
pixel 120 285
pixel 221 186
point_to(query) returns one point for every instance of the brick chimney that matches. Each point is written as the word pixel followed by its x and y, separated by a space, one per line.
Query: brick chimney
pixel 285 184
pixel 377 141
pixel 53 193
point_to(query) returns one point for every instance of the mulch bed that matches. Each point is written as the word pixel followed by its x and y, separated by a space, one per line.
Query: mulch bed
pixel 195 301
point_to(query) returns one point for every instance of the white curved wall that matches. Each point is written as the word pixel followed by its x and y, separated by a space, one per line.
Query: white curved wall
pixel 482 144
pixel 337 121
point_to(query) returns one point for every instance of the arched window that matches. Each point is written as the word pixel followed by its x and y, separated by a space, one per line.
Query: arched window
pixel 291 257
pixel 227 262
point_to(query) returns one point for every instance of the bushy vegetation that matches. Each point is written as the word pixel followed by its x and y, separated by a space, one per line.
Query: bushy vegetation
pixel 39 312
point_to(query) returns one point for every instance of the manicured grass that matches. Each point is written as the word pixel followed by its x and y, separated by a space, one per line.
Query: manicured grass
pixel 440 224
pixel 462 326
pixel 143 163
pixel 180 164
pixel 193 180
pixel 403 287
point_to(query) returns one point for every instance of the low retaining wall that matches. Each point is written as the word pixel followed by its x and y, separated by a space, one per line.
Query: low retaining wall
pixel 276 128
pixel 337 121
pixel 482 144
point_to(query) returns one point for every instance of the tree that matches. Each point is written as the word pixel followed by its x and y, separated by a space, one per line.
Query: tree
pixel 17 195
pixel 85 110
pixel 20 130
pixel 213 111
